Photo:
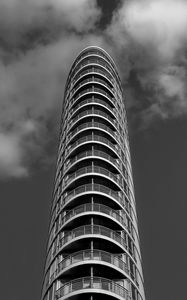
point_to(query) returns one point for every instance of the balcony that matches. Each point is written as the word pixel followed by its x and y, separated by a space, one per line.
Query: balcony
pixel 89 154
pixel 92 257
pixel 86 66
pixel 97 188
pixel 96 230
pixel 93 90
pixel 92 125
pixel 95 256
pixel 93 100
pixel 92 138
pixel 95 52
pixel 111 101
pixel 93 71
pixel 121 218
pixel 92 285
pixel 86 140
pixel 92 112
pixel 93 80
pixel 89 232
pixel 93 170
pixel 96 208
pixel 99 59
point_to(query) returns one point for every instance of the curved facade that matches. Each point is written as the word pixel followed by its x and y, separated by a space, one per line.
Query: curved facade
pixel 93 247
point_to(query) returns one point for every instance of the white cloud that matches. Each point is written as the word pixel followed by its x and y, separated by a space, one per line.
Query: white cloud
pixel 33 69
pixel 161 24
pixel 82 14
pixel 79 15
pixel 11 164
pixel 172 81
pixel 33 84
pixel 32 81
pixel 150 38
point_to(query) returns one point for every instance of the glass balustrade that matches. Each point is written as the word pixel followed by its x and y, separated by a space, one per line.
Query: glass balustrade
pixel 91 112
pixel 92 125
pixel 97 138
pixel 89 138
pixel 99 60
pixel 97 153
pixel 96 255
pixel 92 90
pixel 92 169
pixel 91 71
pixel 90 101
pixel 94 65
pixel 95 52
pixel 94 80
pixel 93 187
pixel 95 207
pixel 118 196
pixel 92 283
pixel 94 100
pixel 95 230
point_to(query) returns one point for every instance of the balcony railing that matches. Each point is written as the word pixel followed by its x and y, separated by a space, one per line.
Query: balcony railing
pixel 93 169
pixel 91 112
pixel 85 91
pixel 92 90
pixel 92 100
pixel 82 231
pixel 95 207
pixel 96 283
pixel 93 80
pixel 95 138
pixel 95 230
pixel 95 100
pixel 96 255
pixel 93 70
pixel 97 153
pixel 92 125
pixel 94 60
pixel 90 52
pixel 95 112
pixel 118 196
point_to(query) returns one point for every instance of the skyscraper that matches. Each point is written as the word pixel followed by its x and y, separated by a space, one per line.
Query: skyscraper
pixel 93 248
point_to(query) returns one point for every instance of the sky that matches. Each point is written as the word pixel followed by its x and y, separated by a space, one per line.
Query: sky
pixel 39 40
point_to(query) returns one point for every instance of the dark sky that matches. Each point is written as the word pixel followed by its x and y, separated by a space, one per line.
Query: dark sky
pixel 159 165
pixel 159 160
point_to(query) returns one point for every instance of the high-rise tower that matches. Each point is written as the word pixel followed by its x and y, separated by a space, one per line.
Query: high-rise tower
pixel 93 248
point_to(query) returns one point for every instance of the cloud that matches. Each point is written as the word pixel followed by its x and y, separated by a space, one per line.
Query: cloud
pixel 11 157
pixel 33 71
pixel 151 42
pixel 160 24
pixel 80 15
pixel 40 39
pixel 172 81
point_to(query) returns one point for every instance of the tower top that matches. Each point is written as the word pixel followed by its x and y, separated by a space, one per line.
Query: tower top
pixel 92 50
